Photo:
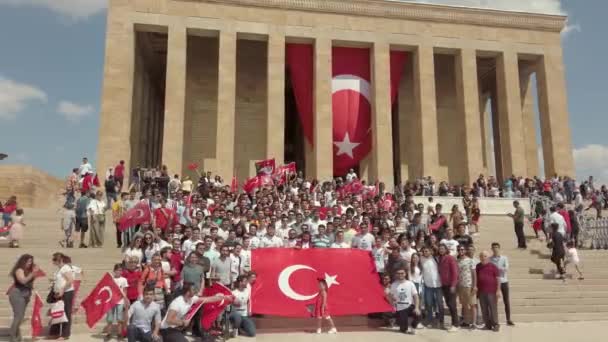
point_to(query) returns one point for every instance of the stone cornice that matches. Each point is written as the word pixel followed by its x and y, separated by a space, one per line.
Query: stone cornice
pixel 412 11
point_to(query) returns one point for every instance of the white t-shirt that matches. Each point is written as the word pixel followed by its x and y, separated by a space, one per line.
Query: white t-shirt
pixel 340 245
pixel 379 254
pixel 134 252
pixel 365 242
pixel 271 241
pixel 430 272
pixel 407 255
pixel 452 246
pixel 403 293
pixel 122 284
pixel 245 260
pixel 181 307
pixel 241 303
pixel 235 265
pixel 166 266
pixel 572 256
pixel 60 279
pixel 254 242
pixel 415 275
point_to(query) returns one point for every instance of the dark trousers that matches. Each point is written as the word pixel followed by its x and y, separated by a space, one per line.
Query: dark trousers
pixel 450 301
pixel 118 236
pixel 557 260
pixel 403 317
pixel 504 291
pixel 64 329
pixel 519 232
pixel 489 310
pixel 135 334
pixel 173 335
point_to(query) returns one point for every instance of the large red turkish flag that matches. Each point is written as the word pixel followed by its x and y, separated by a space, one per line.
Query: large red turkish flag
pixel 104 297
pixel 287 281
pixel 139 214
pixel 351 103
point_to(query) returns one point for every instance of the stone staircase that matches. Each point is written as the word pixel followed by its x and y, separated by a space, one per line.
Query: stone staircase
pixel 536 296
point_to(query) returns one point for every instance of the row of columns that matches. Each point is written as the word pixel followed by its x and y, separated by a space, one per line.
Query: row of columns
pixel 553 108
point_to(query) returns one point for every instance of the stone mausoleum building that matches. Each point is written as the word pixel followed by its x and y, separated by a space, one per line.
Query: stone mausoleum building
pixel 208 81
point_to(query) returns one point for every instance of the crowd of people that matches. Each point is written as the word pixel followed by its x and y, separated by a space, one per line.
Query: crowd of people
pixel 203 233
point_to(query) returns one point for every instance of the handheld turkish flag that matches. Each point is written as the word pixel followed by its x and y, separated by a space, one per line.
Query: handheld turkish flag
pixel 36 319
pixel 234 185
pixel 437 224
pixel 251 184
pixel 38 274
pixel 139 214
pixel 212 310
pixel 76 285
pixel 192 166
pixel 265 167
pixel 287 281
pixel 104 297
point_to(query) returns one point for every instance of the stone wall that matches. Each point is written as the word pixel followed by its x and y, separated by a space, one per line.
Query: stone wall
pixel 34 188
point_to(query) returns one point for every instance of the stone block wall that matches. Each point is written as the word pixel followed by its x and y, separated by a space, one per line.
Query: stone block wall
pixel 33 187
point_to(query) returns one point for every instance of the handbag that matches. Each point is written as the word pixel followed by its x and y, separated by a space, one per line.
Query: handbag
pixel 51 298
pixel 57 313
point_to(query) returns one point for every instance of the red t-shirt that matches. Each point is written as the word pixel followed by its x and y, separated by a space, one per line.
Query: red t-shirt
pixel 119 171
pixel 163 217
pixel 133 281
pixel 487 277
pixel 176 264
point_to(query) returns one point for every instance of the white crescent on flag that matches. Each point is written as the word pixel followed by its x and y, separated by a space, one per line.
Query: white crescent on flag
pixel 351 82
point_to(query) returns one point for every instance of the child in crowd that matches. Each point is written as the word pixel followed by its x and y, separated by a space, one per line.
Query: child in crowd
pixel 572 258
pixel 17 225
pixel 322 310
pixel 116 317
pixel 68 224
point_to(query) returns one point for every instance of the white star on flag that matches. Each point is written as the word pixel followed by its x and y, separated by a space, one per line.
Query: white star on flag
pixel 346 146
pixel 331 280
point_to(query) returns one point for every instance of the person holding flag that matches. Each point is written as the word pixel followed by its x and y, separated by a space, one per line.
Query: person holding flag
pixel 176 320
pixel 241 308
pixel 23 273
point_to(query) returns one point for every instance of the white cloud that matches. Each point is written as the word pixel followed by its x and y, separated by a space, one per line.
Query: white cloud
pixel 534 6
pixel 74 112
pixel 592 160
pixel 76 9
pixel 570 29
pixel 15 96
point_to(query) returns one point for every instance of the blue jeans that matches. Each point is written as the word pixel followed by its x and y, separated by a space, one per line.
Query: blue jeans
pixel 135 334
pixel 243 323
pixel 433 301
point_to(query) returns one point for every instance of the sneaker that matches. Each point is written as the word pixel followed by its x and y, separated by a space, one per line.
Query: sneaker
pixel 510 323
pixel 332 331
pixel 496 328
pixel 453 329
pixel 319 331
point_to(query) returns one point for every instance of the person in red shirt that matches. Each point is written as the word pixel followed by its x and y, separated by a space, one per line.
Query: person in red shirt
pixel 176 260
pixel 132 273
pixel 488 290
pixel 448 270
pixel 87 183
pixel 561 209
pixel 163 216
pixel 119 174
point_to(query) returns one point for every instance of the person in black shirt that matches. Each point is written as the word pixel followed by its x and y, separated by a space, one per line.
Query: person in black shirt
pixel 462 237
pixel 558 251
pixel 111 195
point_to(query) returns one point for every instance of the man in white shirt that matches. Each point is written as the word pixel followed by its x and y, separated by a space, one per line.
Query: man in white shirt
pixel 450 242
pixel 556 217
pixel 350 176
pixel 364 240
pixel 175 320
pixel 339 243
pixel 85 167
pixel 433 298
pixel 255 240
pixel 270 240
pixel 404 297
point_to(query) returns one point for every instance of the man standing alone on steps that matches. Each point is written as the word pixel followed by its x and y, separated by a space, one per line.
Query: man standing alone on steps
pixel 518 221
pixel 502 263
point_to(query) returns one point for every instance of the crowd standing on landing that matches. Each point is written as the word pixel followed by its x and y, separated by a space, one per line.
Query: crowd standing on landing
pixel 205 232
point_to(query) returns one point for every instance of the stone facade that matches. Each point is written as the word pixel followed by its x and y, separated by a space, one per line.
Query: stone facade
pixel 203 81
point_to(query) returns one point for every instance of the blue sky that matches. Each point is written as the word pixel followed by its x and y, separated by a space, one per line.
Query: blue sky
pixel 51 65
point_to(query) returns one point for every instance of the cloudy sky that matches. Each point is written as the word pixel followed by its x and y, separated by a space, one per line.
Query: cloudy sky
pixel 51 66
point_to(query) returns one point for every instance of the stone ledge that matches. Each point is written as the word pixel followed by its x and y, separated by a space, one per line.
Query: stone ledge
pixel 412 11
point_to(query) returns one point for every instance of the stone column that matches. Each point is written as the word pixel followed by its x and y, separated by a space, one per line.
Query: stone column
pixel 116 106
pixel 467 94
pixel 555 129
pixel 323 136
pixel 226 105
pixel 275 129
pixel 509 115
pixel 426 121
pixel 529 122
pixel 175 100
pixel 382 131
